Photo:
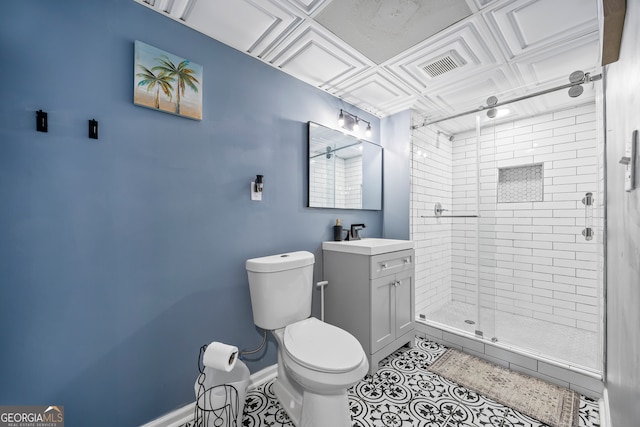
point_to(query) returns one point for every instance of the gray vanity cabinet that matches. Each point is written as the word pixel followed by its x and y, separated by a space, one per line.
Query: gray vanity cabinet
pixel 372 297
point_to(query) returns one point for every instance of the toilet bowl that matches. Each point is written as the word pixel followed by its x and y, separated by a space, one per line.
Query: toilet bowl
pixel 317 363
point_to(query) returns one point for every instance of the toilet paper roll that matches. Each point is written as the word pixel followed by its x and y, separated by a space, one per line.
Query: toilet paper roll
pixel 220 356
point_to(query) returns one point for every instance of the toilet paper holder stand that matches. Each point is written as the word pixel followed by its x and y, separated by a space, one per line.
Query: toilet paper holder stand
pixel 217 405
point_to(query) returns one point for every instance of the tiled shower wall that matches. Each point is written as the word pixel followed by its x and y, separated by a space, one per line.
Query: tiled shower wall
pixel 534 260
pixel 322 180
pixel 349 183
pixel 337 182
pixel 431 182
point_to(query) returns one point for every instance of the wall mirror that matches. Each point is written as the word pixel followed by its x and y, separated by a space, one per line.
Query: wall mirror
pixel 344 172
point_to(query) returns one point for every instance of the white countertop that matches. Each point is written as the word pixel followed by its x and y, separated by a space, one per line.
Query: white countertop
pixel 368 246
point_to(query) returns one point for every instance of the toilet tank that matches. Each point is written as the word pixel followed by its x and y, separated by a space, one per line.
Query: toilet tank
pixel 280 287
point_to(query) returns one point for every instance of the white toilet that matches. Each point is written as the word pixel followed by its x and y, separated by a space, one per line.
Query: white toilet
pixel 317 362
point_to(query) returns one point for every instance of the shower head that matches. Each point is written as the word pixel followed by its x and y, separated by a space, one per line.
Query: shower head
pixel 449 137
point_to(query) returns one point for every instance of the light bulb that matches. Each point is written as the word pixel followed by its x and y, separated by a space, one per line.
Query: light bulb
pixel 367 132
pixel 356 126
pixel 341 119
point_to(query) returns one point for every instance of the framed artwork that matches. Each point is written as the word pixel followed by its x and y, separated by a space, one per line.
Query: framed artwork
pixel 165 82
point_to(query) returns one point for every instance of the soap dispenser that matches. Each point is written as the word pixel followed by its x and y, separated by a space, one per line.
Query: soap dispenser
pixel 337 231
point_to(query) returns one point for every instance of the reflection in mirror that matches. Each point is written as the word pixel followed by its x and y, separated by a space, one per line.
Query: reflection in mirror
pixel 344 172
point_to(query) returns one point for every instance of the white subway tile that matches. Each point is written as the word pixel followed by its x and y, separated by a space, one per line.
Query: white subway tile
pixel 575 111
pixel 587 274
pixel 561 155
pixel 553 172
pixel 534 136
pixel 541 118
pixel 561 271
pixel 574 162
pixel 533 259
pixel 560 188
pixel 557 123
pixel 559 139
pixel 578 145
pixel 568 280
pixel 584 265
pixel 574 129
pixel 552 286
pixel 554 221
pixel 554 302
pixel 576 247
pixel 505 133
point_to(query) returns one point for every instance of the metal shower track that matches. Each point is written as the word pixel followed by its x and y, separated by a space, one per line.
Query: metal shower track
pixel 587 78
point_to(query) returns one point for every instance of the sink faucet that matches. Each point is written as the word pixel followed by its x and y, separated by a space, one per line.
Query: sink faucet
pixel 353 234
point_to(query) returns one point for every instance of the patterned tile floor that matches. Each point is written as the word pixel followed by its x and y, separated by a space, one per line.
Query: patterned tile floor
pixel 404 393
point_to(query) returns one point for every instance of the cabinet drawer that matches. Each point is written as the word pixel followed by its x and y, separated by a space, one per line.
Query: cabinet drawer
pixel 391 263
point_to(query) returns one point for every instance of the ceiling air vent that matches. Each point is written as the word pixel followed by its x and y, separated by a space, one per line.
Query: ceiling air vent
pixel 445 63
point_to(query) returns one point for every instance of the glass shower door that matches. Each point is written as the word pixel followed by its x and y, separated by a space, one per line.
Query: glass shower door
pixel 453 288
pixel 548 289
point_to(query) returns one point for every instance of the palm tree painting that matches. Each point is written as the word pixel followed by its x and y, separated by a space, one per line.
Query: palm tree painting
pixel 166 82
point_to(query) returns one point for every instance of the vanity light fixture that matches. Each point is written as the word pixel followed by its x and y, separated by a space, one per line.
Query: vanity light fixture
pixel 352 122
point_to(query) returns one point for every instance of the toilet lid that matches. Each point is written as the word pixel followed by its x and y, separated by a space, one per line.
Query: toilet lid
pixel 321 346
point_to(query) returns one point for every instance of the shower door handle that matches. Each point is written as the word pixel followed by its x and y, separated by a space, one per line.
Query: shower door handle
pixel 587 200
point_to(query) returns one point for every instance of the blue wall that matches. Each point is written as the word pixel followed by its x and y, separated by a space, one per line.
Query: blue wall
pixel 120 257
pixel 396 134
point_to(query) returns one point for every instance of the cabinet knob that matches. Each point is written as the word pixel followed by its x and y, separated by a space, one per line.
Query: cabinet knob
pixel 407 260
pixel 383 265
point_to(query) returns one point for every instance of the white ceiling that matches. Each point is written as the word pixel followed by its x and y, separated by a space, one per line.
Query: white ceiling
pixel 506 48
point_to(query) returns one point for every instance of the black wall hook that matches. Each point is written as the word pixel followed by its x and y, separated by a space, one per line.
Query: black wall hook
pixel 93 129
pixel 41 121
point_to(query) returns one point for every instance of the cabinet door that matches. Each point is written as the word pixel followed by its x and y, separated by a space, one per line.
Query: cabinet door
pixel 383 307
pixel 404 303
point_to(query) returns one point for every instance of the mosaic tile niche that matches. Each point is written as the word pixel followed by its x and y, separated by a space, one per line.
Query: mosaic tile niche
pixel 520 184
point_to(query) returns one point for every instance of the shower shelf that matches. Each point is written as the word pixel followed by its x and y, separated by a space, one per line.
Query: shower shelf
pixel 438 209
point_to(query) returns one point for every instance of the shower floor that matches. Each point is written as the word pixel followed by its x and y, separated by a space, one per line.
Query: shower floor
pixel 574 346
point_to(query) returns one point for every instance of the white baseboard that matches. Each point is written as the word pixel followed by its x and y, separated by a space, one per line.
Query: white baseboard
pixel 184 414
pixel 263 376
pixel 605 411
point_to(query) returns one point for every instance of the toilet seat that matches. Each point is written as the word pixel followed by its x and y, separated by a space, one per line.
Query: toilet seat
pixel 322 347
